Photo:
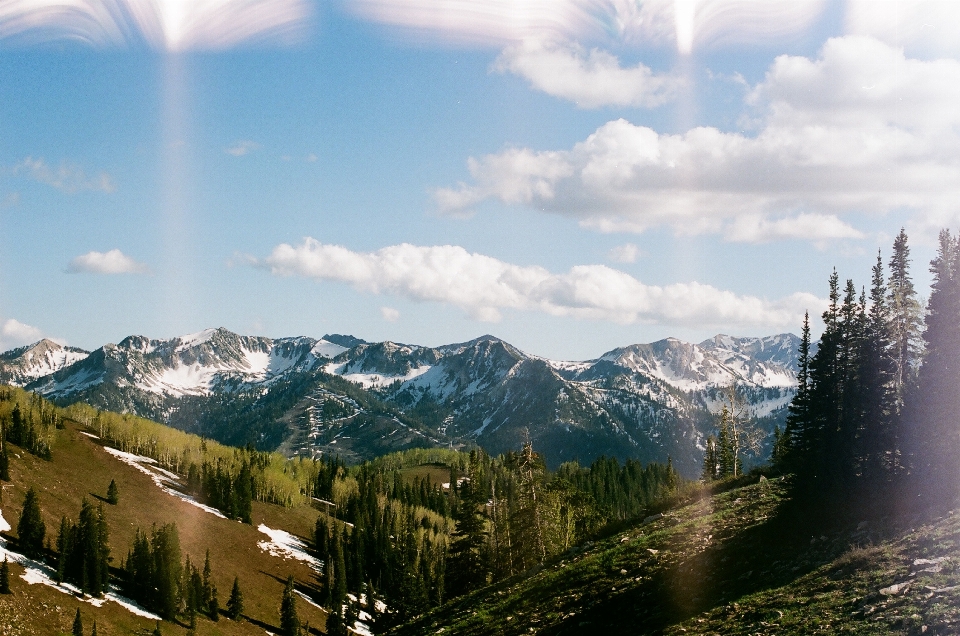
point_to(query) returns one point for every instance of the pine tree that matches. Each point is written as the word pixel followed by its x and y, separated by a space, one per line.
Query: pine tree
pixel 933 409
pixel 289 620
pixel 93 632
pixel 213 606
pixel 113 493
pixel 4 462
pixel 905 319
pixel 726 452
pixel 4 576
pixel 879 443
pixel 466 569
pixel 31 529
pixel 167 570
pixel 77 624
pixel 235 602
pixel 710 461
pixel 797 433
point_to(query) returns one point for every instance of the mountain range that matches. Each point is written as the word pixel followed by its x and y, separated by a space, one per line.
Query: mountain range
pixel 342 395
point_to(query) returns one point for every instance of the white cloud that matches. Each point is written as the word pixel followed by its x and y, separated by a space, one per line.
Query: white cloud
pixel 66 178
pixel 484 286
pixel 390 314
pixel 626 253
pixel 860 129
pixel 241 148
pixel 172 25
pixel 15 334
pixel 757 229
pixel 926 26
pixel 590 79
pixel 112 262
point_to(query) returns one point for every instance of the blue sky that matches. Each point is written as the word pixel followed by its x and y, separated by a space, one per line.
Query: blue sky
pixel 571 176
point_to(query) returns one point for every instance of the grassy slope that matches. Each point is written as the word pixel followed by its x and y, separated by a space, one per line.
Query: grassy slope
pixel 739 562
pixel 81 468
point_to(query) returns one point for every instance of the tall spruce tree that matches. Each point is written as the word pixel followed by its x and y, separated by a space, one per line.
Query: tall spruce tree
pixel 879 443
pixel 31 530
pixel 235 602
pixel 466 567
pixel 289 620
pixel 798 433
pixel 77 624
pixel 905 319
pixel 933 411
pixel 4 576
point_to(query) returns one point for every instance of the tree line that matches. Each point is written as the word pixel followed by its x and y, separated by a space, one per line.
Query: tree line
pixel 877 403
pixel 413 543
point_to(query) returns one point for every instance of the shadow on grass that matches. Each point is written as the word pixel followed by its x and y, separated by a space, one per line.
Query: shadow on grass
pixel 769 554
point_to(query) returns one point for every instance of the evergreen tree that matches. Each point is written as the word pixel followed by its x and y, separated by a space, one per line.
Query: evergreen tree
pixel 726 452
pixel 31 529
pixel 213 606
pixel 466 569
pixel 167 570
pixel 113 493
pixel 4 462
pixel 933 411
pixel 878 448
pixel 4 576
pixel 526 521
pixel 93 632
pixel 905 319
pixel 289 620
pixel 77 624
pixel 235 602
pixel 710 460
pixel 798 433
pixel 156 630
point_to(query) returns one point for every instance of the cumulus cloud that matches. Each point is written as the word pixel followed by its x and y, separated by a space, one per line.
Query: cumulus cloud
pixel 66 178
pixel 484 286
pixel 626 253
pixel 112 262
pixel 173 25
pixel 861 128
pixel 14 334
pixel 390 314
pixel 241 148
pixel 590 79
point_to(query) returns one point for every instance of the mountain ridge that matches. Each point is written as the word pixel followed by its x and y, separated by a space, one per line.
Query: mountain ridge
pixel 647 401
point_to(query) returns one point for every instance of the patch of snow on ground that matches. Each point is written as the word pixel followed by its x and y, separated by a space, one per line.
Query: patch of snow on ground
pixel 327 349
pixel 285 545
pixel 309 600
pixel 38 573
pixel 370 380
pixel 164 479
pixel 194 339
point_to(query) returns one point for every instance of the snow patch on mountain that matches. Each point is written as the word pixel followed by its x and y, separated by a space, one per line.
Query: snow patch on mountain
pixel 375 380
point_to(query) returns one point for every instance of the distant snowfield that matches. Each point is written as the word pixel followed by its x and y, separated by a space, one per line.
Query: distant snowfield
pixel 285 545
pixel 39 573
pixel 164 479
pixel 371 380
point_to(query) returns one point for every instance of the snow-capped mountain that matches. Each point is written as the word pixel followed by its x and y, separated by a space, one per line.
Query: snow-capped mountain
pixel 23 365
pixel 344 395
pixel 202 363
